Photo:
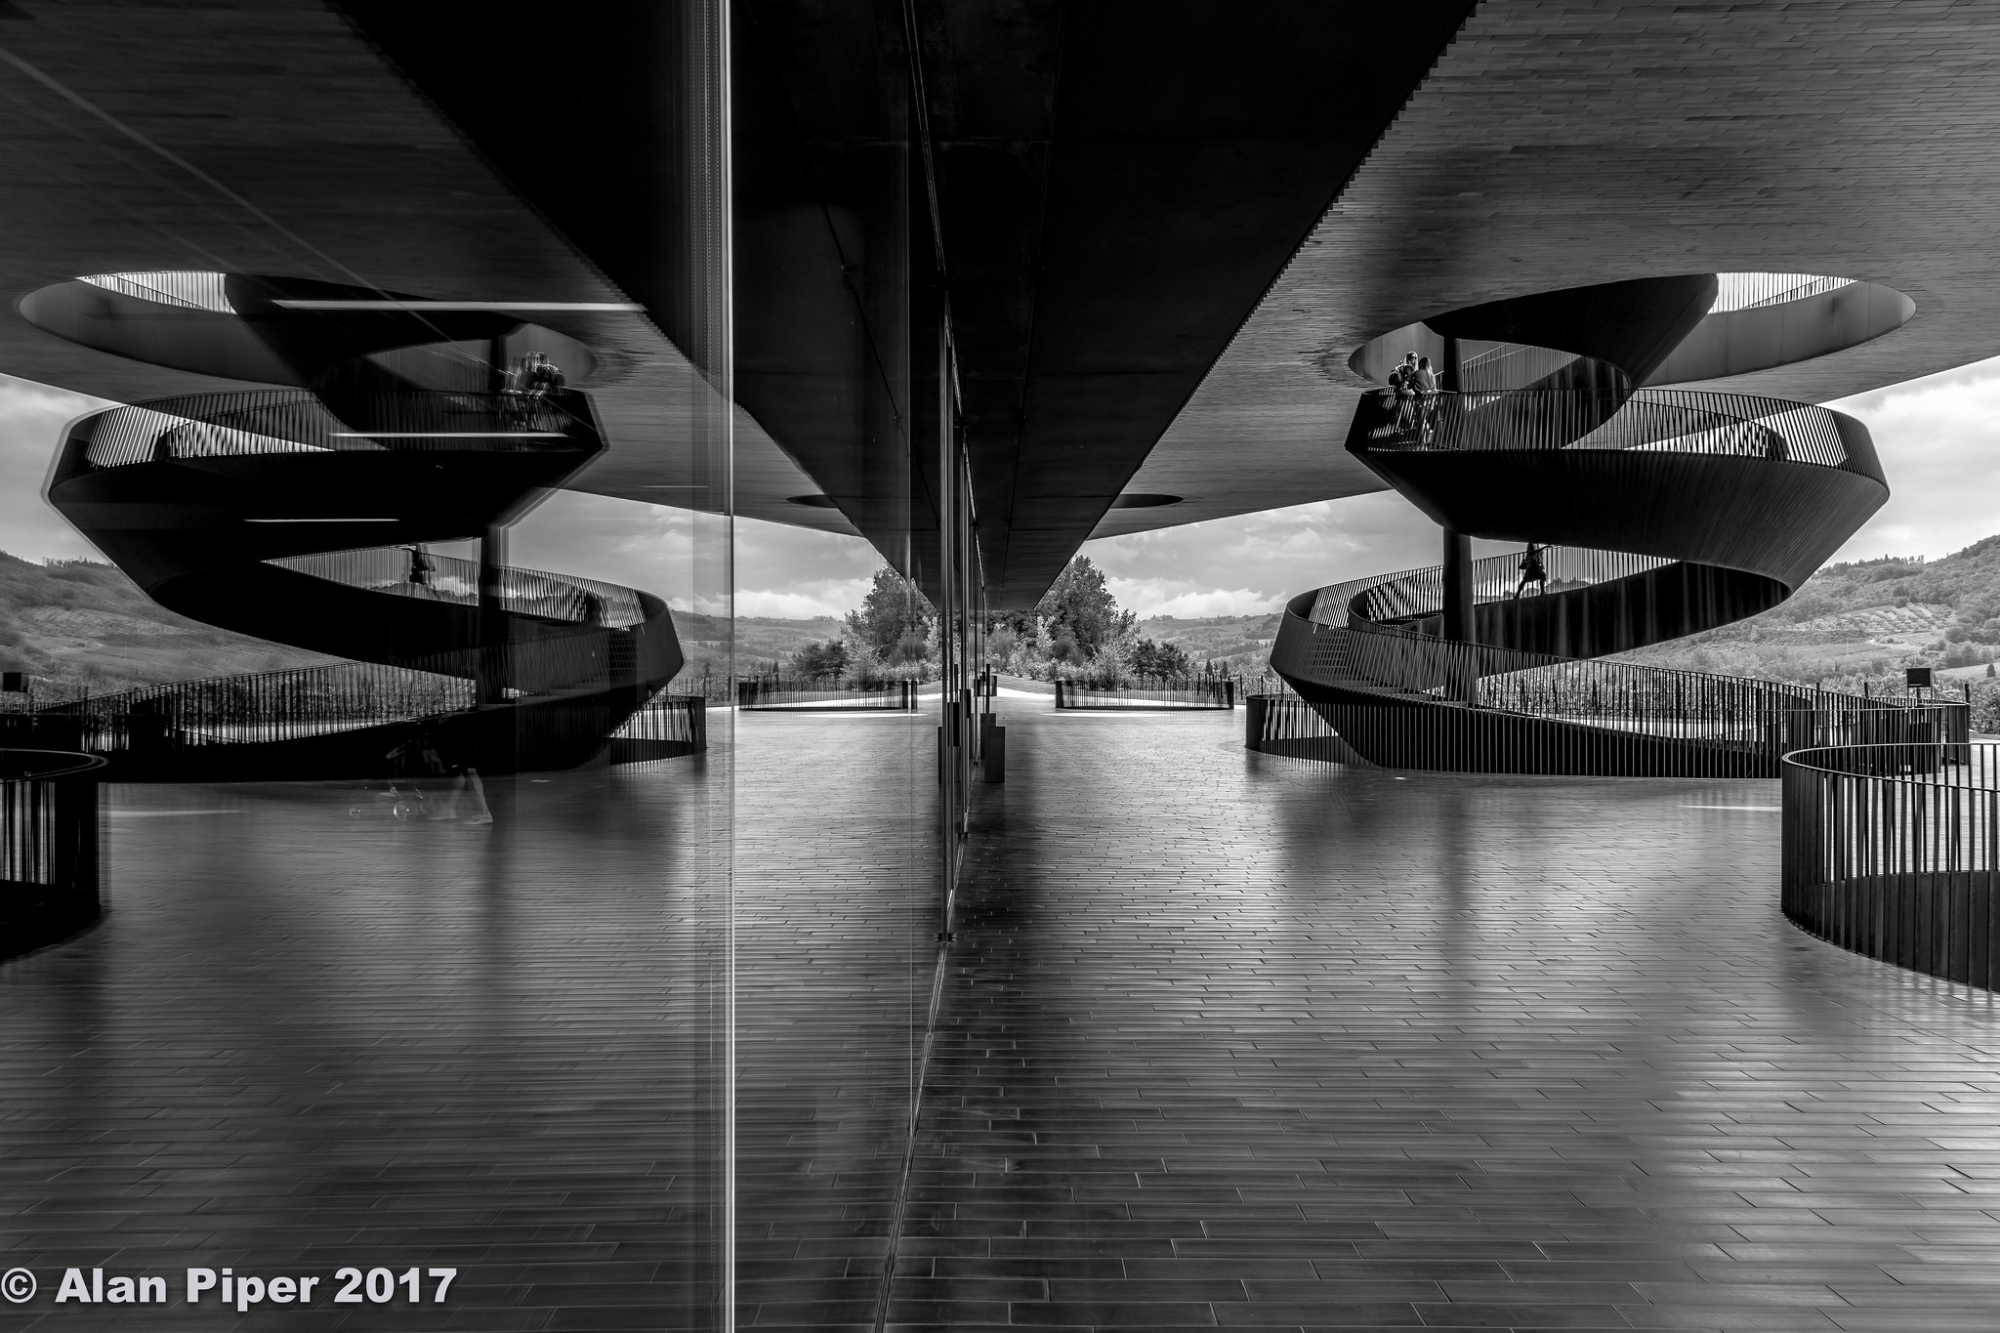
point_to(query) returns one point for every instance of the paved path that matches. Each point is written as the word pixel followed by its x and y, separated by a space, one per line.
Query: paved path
pixel 1229 1040
pixel 304 1040
pixel 1244 1041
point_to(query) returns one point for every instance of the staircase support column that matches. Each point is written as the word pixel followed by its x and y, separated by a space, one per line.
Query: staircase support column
pixel 491 677
pixel 1459 625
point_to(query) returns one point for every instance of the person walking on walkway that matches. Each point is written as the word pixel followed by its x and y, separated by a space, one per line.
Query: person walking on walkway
pixel 420 567
pixel 1532 571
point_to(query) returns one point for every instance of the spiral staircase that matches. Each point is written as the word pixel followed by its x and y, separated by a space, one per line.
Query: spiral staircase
pixel 300 515
pixel 1665 513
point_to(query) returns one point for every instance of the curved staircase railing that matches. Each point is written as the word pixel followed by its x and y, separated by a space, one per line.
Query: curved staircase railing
pixel 1679 511
pixel 274 514
pixel 49 864
pixel 1893 851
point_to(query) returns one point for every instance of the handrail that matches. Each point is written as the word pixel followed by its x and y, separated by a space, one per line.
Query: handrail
pixel 1893 851
pixel 1752 291
pixel 1415 593
pixel 396 570
pixel 18 765
pixel 315 701
pixel 1193 692
pixel 274 421
pixel 1661 420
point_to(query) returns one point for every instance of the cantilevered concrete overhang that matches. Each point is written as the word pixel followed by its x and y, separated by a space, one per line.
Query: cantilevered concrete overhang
pixel 1565 143
pixel 274 139
pixel 1166 227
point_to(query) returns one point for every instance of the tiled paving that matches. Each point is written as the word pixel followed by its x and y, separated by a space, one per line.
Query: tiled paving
pixel 1239 1041
pixel 1229 1040
pixel 304 1040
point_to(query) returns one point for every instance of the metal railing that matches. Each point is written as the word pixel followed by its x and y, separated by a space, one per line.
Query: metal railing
pixel 343 696
pixel 669 726
pixel 1893 851
pixel 189 291
pixel 398 571
pixel 272 421
pixel 1748 291
pixel 1656 420
pixel 1150 692
pixel 1413 594
pixel 1283 724
pixel 824 693
pixel 49 860
pixel 270 706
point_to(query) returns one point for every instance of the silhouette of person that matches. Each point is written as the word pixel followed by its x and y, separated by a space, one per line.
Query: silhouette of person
pixel 1532 571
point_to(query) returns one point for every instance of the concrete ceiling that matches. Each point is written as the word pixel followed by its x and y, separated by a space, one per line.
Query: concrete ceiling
pixel 272 139
pixel 1560 143
pixel 1153 324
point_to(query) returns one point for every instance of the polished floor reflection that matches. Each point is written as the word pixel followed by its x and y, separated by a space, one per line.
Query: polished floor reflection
pixel 1227 1040
pixel 307 1038
pixel 1241 1041
pixel 836 954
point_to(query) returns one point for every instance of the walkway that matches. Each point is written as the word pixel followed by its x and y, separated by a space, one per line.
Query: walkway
pixel 1230 1040
pixel 1244 1041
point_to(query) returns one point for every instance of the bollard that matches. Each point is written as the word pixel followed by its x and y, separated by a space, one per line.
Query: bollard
pixel 993 748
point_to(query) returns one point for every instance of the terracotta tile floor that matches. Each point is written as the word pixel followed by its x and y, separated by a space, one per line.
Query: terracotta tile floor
pixel 1249 1042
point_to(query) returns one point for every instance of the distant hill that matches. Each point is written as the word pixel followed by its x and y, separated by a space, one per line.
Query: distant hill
pixel 1865 620
pixel 81 625
pixel 760 640
pixel 78 625
pixel 1233 643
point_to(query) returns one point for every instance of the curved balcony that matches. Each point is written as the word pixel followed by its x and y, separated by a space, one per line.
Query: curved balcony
pixel 1677 512
pixel 302 520
pixel 280 421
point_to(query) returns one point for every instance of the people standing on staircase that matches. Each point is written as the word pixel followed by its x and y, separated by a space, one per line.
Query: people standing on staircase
pixel 1426 384
pixel 1403 383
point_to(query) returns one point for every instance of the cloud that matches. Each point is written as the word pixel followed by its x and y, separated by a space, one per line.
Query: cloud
pixel 1170 597
pixel 1940 449
pixel 829 599
pixel 793 573
pixel 1253 563
pixel 32 417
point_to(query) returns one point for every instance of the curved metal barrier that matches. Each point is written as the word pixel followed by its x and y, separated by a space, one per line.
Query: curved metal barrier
pixel 1893 851
pixel 824 694
pixel 49 862
pixel 1283 725
pixel 299 517
pixel 1164 693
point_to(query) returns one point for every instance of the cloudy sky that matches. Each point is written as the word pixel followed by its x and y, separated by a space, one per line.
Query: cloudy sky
pixel 1936 436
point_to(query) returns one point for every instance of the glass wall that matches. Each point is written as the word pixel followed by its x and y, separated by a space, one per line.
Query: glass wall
pixel 451 936
pixel 838 651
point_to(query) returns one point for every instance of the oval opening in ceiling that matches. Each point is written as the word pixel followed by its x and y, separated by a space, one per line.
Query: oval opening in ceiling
pixel 1144 500
pixel 1758 321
